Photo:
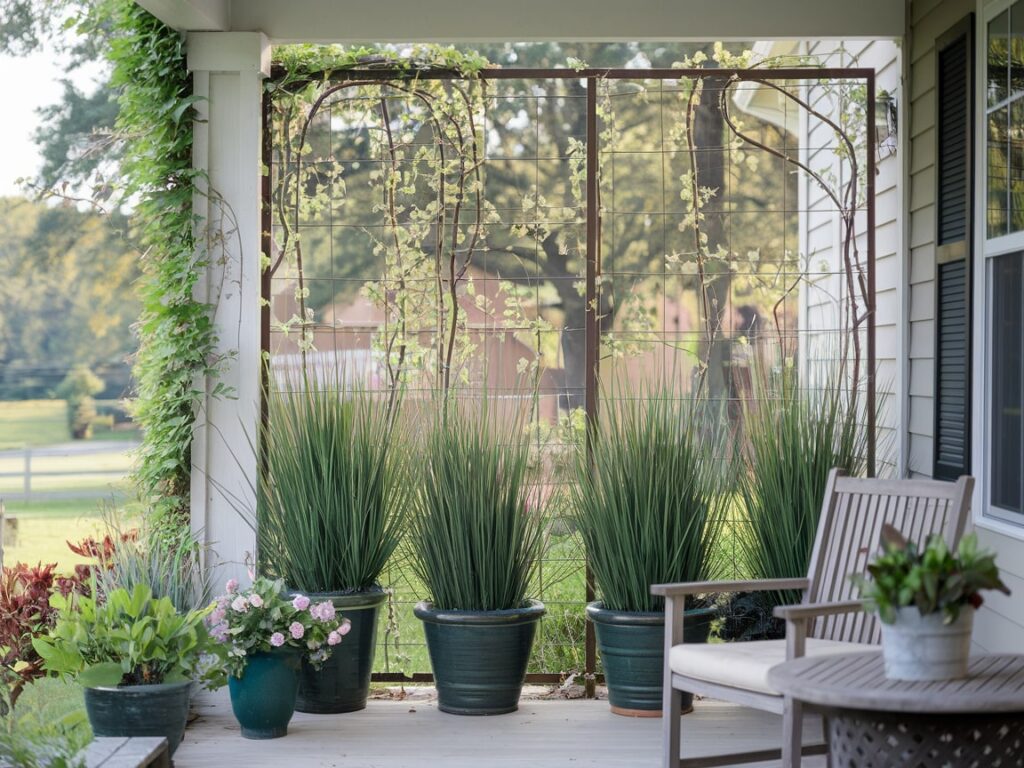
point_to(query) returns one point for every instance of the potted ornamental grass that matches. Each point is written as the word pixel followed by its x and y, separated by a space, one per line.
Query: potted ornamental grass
pixel 646 501
pixel 135 656
pixel 475 547
pixel 265 635
pixel 926 599
pixel 332 504
pixel 792 436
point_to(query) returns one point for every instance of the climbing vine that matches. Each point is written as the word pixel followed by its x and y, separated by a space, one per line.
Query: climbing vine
pixel 430 194
pixel 423 124
pixel 176 333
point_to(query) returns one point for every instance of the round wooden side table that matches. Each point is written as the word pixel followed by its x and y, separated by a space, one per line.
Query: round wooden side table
pixel 874 722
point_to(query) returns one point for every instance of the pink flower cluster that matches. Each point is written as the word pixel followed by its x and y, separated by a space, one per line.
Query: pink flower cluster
pixel 323 611
pixel 251 619
pixel 343 629
pixel 217 621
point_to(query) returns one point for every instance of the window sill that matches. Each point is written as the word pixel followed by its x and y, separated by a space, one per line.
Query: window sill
pixel 998 525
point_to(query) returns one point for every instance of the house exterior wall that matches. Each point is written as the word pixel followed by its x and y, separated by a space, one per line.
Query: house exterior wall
pixel 906 278
pixel 821 240
pixel 1000 622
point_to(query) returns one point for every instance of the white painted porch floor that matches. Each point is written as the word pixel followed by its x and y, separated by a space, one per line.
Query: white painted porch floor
pixel 413 734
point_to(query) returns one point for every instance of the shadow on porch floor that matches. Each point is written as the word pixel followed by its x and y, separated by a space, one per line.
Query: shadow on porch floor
pixel 411 734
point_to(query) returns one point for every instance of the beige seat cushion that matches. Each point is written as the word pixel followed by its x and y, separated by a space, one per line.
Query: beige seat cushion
pixel 745 665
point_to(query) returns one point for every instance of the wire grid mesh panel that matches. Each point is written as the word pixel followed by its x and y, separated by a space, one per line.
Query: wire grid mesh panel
pixel 431 232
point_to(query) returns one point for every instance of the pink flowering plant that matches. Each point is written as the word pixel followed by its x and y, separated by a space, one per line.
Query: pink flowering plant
pixel 265 617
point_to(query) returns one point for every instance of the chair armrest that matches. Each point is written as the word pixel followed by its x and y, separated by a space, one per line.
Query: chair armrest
pixel 701 587
pixel 807 611
pixel 799 618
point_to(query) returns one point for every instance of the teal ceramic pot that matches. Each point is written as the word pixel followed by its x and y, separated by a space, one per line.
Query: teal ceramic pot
pixel 263 698
pixel 140 710
pixel 632 647
pixel 342 684
pixel 479 657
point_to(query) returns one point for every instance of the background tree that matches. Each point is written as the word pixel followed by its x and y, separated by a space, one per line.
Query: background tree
pixel 78 389
pixel 67 297
pixel 76 135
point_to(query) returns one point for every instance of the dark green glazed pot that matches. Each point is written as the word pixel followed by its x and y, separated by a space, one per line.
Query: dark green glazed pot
pixel 479 657
pixel 632 647
pixel 342 684
pixel 263 698
pixel 140 710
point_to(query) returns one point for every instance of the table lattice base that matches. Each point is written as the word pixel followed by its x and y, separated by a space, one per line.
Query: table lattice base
pixel 876 740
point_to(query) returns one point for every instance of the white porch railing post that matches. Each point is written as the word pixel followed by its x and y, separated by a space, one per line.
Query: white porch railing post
pixel 27 481
pixel 228 68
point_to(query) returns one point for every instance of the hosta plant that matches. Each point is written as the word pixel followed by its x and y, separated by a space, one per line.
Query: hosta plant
pixel 264 618
pixel 933 579
pixel 127 638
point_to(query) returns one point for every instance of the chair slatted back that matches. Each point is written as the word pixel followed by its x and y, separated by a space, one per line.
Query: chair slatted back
pixel 849 531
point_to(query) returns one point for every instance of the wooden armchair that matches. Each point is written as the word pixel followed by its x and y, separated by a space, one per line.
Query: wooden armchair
pixel 828 620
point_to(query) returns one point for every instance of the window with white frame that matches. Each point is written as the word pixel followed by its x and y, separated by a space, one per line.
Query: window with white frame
pixel 1004 261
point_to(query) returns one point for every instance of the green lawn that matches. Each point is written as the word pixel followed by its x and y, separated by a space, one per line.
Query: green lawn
pixel 44 422
pixel 45 525
pixel 33 422
pixel 44 540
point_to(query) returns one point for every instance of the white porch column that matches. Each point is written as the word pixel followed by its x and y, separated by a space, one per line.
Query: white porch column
pixel 228 68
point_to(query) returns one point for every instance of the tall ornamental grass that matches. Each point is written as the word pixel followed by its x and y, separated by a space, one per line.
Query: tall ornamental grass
pixel 792 438
pixel 648 499
pixel 164 559
pixel 333 498
pixel 475 541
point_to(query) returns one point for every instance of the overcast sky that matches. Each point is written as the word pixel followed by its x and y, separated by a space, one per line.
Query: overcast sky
pixel 29 83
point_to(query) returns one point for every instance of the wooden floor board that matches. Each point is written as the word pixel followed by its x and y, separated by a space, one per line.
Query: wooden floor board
pixel 414 734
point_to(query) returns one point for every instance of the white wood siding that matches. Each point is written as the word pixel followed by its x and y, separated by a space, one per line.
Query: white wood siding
pixel 822 232
pixel 1000 622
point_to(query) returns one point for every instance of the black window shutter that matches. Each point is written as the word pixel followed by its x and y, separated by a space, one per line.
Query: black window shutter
pixel 954 239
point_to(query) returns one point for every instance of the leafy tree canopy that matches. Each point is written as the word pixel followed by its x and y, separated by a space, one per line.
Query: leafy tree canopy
pixel 67 296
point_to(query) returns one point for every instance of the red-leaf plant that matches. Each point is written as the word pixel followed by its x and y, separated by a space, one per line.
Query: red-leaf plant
pixel 25 610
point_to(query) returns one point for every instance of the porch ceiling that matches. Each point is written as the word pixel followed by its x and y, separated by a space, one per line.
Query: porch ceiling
pixel 323 21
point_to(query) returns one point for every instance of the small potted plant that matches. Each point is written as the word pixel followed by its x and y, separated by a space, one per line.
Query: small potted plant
pixel 265 634
pixel 475 546
pixel 646 501
pixel 135 655
pixel 926 599
pixel 331 513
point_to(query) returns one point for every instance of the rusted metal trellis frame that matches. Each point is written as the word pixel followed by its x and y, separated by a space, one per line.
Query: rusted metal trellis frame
pixel 592 76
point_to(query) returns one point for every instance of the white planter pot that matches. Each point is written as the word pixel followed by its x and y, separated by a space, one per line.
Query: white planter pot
pixel 920 647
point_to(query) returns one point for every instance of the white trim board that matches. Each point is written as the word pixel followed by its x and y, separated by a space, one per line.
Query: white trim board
pixel 331 21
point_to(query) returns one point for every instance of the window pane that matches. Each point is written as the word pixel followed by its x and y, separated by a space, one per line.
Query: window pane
pixel 1007 381
pixel 1016 170
pixel 998 30
pixel 998 172
pixel 1016 52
